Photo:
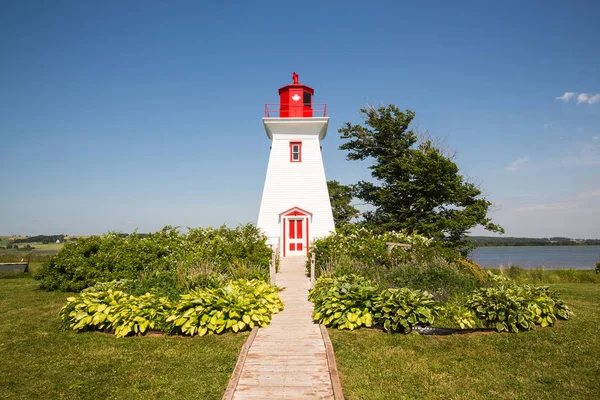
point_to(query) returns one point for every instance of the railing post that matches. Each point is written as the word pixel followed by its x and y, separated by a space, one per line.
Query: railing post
pixel 312 269
pixel 272 274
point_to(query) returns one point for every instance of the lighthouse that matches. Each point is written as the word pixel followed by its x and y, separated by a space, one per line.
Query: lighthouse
pixel 295 207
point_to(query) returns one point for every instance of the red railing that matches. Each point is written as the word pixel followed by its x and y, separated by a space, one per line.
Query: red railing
pixel 318 110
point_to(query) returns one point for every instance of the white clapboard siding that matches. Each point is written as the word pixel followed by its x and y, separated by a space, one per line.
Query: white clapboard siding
pixel 295 184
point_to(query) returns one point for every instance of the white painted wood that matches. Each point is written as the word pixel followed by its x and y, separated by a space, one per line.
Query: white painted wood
pixel 295 184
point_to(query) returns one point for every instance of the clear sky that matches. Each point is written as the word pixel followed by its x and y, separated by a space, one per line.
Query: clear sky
pixel 118 115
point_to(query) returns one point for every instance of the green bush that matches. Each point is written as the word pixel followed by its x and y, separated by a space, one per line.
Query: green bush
pixel 426 265
pixel 364 246
pixel 239 306
pixel 344 302
pixel 401 309
pixel 436 275
pixel 183 261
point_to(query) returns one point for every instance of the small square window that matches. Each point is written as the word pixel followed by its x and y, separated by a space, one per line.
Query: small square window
pixel 295 151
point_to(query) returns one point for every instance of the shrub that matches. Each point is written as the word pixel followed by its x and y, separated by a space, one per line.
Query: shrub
pixel 427 265
pixel 239 306
pixel 121 285
pixel 436 275
pixel 400 309
pixel 343 302
pixel 364 246
pixel 167 257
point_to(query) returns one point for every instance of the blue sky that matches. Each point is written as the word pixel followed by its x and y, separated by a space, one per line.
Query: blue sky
pixel 124 115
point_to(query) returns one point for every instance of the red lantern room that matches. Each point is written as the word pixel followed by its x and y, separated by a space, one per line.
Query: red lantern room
pixel 295 100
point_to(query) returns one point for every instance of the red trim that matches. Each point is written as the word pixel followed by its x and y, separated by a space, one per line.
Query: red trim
pixel 299 144
pixel 284 244
pixel 304 212
pixel 306 236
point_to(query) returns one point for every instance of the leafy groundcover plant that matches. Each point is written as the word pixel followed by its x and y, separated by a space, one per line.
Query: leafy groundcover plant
pixel 514 308
pixel 351 301
pixel 398 310
pixel 344 302
pixel 239 305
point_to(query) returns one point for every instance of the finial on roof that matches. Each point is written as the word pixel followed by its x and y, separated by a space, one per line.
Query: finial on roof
pixel 295 78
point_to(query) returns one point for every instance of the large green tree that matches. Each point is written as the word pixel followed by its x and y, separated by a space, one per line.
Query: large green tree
pixel 417 186
pixel 340 197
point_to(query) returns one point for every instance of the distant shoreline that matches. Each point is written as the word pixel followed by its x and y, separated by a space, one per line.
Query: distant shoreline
pixel 493 241
pixel 537 245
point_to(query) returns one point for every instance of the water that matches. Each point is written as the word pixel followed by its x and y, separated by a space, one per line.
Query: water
pixel 528 257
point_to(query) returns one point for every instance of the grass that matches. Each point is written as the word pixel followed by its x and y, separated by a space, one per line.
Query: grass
pixel 39 360
pixel 546 276
pixel 552 363
pixel 11 255
pixel 47 246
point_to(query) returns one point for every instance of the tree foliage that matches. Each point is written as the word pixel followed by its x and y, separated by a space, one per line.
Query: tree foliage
pixel 417 187
pixel 340 197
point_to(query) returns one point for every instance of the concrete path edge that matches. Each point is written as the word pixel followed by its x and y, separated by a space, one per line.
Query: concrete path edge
pixel 333 371
pixel 239 365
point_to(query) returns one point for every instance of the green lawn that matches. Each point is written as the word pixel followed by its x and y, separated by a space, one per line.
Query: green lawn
pixel 39 360
pixel 47 246
pixel 552 363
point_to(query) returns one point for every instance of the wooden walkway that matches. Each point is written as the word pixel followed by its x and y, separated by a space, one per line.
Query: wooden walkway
pixel 288 359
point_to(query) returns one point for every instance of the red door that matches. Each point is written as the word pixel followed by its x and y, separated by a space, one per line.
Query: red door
pixel 296 237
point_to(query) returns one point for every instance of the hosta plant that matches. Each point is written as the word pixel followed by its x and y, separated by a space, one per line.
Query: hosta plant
pixel 460 315
pixel 505 308
pixel 114 310
pixel 544 304
pixel 344 302
pixel 239 306
pixel 136 314
pixel 90 310
pixel 400 309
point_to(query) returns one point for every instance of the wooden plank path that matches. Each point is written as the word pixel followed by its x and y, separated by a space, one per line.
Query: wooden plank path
pixel 288 359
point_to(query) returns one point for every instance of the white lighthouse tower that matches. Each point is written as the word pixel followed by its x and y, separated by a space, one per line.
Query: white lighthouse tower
pixel 295 207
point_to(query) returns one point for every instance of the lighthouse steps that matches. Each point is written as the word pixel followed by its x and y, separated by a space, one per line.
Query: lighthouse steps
pixel 288 359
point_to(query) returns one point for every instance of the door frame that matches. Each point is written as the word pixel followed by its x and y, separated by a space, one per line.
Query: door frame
pixel 295 213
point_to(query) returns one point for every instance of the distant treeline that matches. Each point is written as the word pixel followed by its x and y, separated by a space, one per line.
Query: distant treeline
pixel 478 241
pixel 53 238
pixel 40 239
pixel 483 241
